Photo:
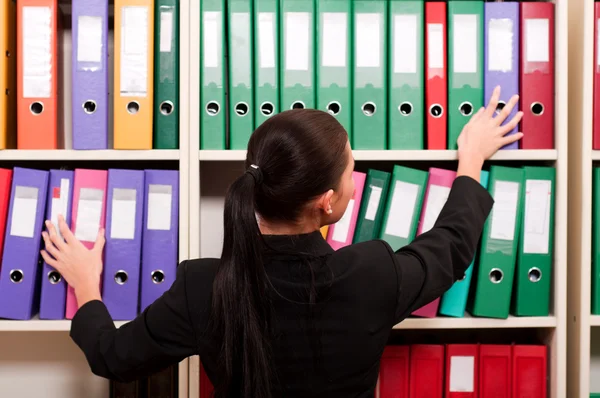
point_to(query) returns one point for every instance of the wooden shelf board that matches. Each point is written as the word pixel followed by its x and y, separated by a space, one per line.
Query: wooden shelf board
pixel 38 325
pixel 477 323
pixel 70 154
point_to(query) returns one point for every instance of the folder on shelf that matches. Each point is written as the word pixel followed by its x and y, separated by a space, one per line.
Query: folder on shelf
pixel 498 254
pixel 596 241
pixel 297 54
pixel 394 371
pixel 403 206
pixel 206 387
pixel 406 116
pixel 266 60
pixel 436 85
pixel 241 87
pixel 537 76
pixel 324 230
pixel 426 370
pixel 59 201
pixel 454 301
pixel 134 67
pixel 212 75
pixel 369 98
pixel 8 74
pixel 368 223
pixel 90 74
pixel 88 215
pixel 166 75
pixel 160 235
pixel 123 249
pixel 341 233
pixel 462 370
pixel 502 55
pixel 596 87
pixel 37 53
pixel 5 191
pixel 19 274
pixel 334 79
pixel 534 258
pixel 465 64
pixel 164 383
pixel 495 371
pixel 438 188
pixel 529 364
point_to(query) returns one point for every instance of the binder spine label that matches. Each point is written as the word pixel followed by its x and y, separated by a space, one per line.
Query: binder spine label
pixel 501 43
pixel 89 212
pixel 60 203
pixel 37 52
pixel 536 232
pixel 405 43
pixel 462 372
pixel 465 43
pixel 435 49
pixel 160 199
pixel 24 211
pixel 402 209
pixel 211 35
pixel 266 41
pixel 241 75
pixel 134 52
pixel 504 213
pixel 537 40
pixel 123 214
pixel 340 231
pixel 334 39
pixel 297 36
pixel 89 43
pixel 436 199
pixel 373 204
pixel 166 29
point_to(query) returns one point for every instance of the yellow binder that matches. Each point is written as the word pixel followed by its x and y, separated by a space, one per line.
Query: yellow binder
pixel 324 230
pixel 8 73
pixel 134 68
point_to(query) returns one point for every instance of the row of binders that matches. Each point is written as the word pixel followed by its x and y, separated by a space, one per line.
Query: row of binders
pixel 396 74
pixel 145 93
pixel 163 384
pixel 596 242
pixel 139 210
pixel 512 272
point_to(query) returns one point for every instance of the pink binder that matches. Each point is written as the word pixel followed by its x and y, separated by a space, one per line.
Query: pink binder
pixel 89 214
pixel 437 191
pixel 341 233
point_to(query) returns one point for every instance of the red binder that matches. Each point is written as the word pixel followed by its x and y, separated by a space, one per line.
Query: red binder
pixel 596 122
pixel 529 371
pixel 537 75
pixel 393 372
pixel 426 371
pixel 436 91
pixel 206 387
pixel 462 368
pixel 495 371
pixel 5 186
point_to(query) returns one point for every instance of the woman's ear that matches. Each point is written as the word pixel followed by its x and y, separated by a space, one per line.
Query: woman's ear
pixel 324 203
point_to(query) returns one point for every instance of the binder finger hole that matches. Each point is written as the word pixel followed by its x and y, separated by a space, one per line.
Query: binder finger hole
pixel 89 107
pixel 267 108
pixel 36 108
pixel 121 277
pixel 213 108
pixel 334 108
pixel 496 275
pixel 7 54
pixel 133 107
pixel 534 275
pixel 166 108
pixel 500 106
pixel 462 278
pixel 436 110
pixel 537 108
pixel 16 276
pixel 369 108
pixel 54 277
pixel 158 276
pixel 241 108
pixel 405 108
pixel 298 105
pixel 466 108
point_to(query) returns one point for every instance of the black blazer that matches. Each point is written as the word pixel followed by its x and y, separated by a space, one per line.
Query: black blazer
pixel 329 349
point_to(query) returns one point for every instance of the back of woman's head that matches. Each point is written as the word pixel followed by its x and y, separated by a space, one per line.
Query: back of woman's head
pixel 293 158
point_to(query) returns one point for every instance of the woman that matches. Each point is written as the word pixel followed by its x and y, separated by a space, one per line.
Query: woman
pixel 281 313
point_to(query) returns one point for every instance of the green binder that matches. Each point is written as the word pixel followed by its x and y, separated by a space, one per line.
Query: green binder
pixel 166 75
pixel 240 52
pixel 596 242
pixel 403 206
pixel 371 210
pixel 534 260
pixel 369 99
pixel 406 114
pixel 212 74
pixel 495 274
pixel 266 64
pixel 465 71
pixel 333 74
pixel 297 54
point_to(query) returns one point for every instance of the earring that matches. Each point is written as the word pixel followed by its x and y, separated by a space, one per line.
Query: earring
pixel 329 211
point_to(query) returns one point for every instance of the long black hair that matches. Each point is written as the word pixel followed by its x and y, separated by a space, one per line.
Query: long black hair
pixel 292 157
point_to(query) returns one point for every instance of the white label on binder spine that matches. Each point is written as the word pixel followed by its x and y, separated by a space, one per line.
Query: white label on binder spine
pixel 134 51
pixel 537 40
pixel 60 203
pixel 266 39
pixel 402 209
pixel 89 39
pixel 500 45
pixel 462 372
pixel 368 40
pixel 297 38
pixel 436 199
pixel 334 36
pixel 166 31
pixel 22 222
pixel 373 204
pixel 435 45
pixel 122 218
pixel 37 52
pixel 243 48
pixel 405 43
pixel 159 207
pixel 504 212
pixel 342 227
pixel 211 38
pixel 464 43
pixel 89 213
pixel 537 216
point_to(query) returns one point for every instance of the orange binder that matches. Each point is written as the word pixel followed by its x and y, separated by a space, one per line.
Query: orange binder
pixel 8 73
pixel 38 24
pixel 134 68
pixel 324 230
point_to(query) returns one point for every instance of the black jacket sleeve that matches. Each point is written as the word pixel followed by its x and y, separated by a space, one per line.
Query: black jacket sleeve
pixel 160 336
pixel 430 264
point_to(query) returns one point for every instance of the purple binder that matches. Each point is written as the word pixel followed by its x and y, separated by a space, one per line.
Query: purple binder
pixel 59 201
pixel 124 211
pixel 502 54
pixel 19 275
pixel 90 74
pixel 161 232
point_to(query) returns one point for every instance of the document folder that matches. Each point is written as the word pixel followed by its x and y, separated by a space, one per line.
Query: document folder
pixel 341 233
pixel 596 241
pixel 426 370
pixel 394 371
pixel 371 211
pixel 529 371
pixel 436 86
pixel 324 230
pixel 8 74
pixel 5 191
pixel 495 371
pixel 462 370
